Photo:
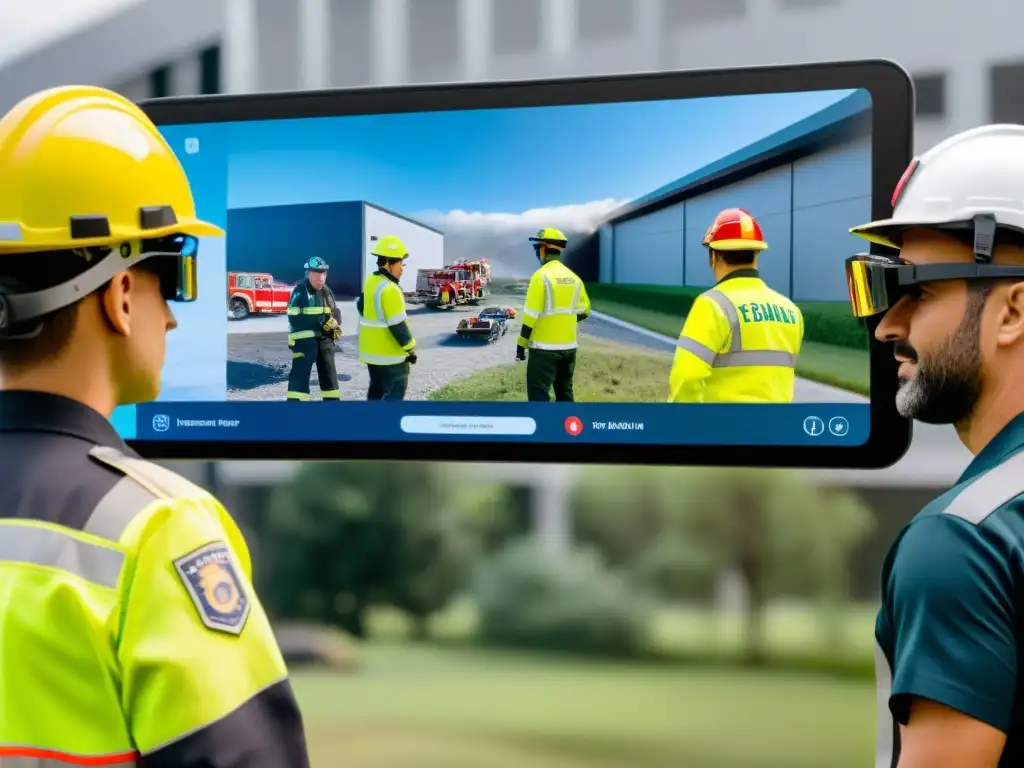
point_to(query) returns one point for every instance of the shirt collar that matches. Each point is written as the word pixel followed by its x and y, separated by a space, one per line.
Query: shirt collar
pixel 745 272
pixel 28 411
pixel 384 273
pixel 1007 441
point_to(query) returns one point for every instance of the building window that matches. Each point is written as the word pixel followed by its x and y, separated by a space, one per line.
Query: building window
pixel 598 20
pixel 160 82
pixel 680 14
pixel 516 27
pixel 1006 89
pixel 434 39
pixel 930 95
pixel 209 70
pixel 351 56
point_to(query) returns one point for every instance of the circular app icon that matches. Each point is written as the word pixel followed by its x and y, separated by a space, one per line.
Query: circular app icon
pixel 573 425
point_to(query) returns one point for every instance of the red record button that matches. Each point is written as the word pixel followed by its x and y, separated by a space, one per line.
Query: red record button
pixel 573 425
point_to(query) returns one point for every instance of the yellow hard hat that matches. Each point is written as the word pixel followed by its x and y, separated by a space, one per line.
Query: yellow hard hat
pixel 83 166
pixel 550 236
pixel 390 247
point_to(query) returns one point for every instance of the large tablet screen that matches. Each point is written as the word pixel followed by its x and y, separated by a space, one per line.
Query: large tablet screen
pixel 557 285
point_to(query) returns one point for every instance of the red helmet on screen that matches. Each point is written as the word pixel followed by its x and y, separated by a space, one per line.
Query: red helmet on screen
pixel 735 230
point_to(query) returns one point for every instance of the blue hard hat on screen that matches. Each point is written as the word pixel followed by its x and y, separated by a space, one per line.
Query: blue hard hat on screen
pixel 315 264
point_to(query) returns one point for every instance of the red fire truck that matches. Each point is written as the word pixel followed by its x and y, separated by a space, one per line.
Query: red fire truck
pixel 256 293
pixel 464 282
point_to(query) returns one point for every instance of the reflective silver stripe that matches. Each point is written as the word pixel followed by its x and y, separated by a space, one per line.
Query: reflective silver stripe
pixel 378 301
pixel 531 313
pixel 885 752
pixel 767 357
pixel 736 343
pixel 55 762
pixel 549 299
pixel 707 354
pixel 546 345
pixel 162 482
pixel 118 508
pixel 990 491
pixel 396 319
pixel 372 323
pixel 382 359
pixel 49 547
pixel 737 356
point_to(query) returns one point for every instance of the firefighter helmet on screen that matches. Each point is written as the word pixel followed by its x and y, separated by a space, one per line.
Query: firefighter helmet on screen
pixel 551 237
pixel 976 173
pixel 315 264
pixel 734 229
pixel 390 247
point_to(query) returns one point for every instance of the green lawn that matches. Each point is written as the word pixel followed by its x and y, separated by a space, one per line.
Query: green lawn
pixel 790 629
pixel 605 372
pixel 429 707
pixel 842 367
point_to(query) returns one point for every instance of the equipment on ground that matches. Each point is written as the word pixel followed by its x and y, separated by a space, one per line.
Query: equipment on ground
pixel 490 325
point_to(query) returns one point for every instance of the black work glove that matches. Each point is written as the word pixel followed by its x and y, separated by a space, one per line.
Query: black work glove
pixel 581 318
pixel 520 352
pixel 411 359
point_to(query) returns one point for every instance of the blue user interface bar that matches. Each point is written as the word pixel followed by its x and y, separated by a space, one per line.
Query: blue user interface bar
pixel 830 424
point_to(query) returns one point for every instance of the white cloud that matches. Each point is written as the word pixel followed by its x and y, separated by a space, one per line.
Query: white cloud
pixel 576 218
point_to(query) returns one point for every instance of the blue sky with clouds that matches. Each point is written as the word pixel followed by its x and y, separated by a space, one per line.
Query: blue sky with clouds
pixel 500 161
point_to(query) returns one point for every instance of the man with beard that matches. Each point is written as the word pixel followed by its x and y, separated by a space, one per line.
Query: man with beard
pixel 949 655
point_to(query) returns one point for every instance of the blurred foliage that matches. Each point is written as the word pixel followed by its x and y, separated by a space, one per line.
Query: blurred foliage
pixel 347 536
pixel 678 530
pixel 529 596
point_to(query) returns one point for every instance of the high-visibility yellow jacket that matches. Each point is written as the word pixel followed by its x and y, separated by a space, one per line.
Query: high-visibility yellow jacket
pixel 556 301
pixel 138 639
pixel 739 344
pixel 384 334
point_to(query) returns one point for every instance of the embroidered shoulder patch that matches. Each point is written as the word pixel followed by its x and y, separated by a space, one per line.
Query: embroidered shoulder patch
pixel 216 589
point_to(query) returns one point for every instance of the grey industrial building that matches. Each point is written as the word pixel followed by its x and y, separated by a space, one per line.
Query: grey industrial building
pixel 806 185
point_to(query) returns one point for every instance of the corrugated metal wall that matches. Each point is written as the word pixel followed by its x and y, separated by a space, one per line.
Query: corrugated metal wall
pixel 805 209
pixel 279 239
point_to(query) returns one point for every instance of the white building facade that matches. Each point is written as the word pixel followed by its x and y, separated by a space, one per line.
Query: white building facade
pixel 207 46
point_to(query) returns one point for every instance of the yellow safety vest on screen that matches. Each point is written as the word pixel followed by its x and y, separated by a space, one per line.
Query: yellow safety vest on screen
pixel 739 344
pixel 554 300
pixel 383 308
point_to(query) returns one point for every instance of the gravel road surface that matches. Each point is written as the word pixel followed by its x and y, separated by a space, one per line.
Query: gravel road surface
pixel 259 358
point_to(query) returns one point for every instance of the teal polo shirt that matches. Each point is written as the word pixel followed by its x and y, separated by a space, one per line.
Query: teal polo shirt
pixel 949 628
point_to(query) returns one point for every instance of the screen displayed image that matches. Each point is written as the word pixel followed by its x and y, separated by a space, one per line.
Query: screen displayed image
pixel 536 273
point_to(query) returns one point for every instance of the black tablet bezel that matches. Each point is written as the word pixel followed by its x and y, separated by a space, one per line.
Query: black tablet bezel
pixel 892 141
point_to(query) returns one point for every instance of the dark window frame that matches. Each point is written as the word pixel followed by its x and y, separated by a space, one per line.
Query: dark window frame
pixel 1006 92
pixel 930 94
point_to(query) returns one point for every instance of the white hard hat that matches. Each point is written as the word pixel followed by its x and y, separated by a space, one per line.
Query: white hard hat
pixel 975 176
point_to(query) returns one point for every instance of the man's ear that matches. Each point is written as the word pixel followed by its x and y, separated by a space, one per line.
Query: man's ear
pixel 117 302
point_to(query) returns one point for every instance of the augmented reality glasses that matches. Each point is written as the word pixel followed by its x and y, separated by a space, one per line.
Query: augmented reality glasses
pixel 173 260
pixel 876 283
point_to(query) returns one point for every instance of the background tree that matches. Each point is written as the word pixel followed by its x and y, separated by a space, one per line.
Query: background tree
pixel 347 536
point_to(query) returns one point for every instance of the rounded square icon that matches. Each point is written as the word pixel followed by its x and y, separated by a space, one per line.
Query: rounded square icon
pixel 191 146
pixel 161 423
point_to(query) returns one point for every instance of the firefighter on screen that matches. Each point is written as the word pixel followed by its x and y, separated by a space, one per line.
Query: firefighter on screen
pixel 741 339
pixel 314 325
pixel 555 302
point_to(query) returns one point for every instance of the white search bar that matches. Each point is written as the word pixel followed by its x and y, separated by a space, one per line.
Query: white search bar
pixel 468 425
